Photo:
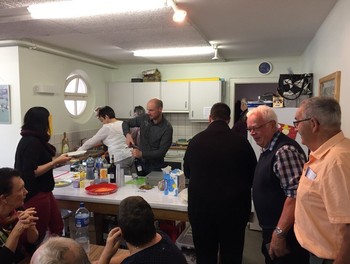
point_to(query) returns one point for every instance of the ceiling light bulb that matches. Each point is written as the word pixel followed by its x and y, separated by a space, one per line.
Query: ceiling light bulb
pixel 179 15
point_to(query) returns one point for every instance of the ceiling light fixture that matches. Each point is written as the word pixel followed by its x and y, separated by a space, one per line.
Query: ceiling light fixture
pixel 83 8
pixel 179 14
pixel 173 52
pixel 215 48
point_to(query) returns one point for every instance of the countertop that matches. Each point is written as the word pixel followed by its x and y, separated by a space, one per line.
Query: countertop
pixel 178 147
pixel 154 197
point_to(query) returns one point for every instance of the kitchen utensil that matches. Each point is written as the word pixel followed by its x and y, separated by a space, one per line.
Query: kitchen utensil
pixel 101 189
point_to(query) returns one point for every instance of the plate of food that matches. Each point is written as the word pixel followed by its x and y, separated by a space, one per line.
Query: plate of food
pixel 62 183
pixel 76 153
pixel 101 189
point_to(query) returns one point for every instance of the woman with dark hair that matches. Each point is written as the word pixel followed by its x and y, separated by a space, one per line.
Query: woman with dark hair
pixel 34 159
pixel 16 226
pixel 111 135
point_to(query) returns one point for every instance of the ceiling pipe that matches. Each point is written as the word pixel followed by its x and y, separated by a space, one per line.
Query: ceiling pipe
pixel 39 47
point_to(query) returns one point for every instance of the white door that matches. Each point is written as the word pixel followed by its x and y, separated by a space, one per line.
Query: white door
pixel 120 98
pixel 143 92
pixel 202 97
pixel 175 96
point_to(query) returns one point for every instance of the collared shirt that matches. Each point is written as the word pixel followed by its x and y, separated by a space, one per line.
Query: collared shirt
pixel 322 207
pixel 155 139
pixel 287 166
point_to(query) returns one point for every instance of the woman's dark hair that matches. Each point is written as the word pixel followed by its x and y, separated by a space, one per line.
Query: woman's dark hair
pixel 136 220
pixel 37 119
pixel 6 175
pixel 106 111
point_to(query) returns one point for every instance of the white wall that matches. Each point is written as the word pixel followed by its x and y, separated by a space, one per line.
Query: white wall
pixel 22 69
pixel 9 133
pixel 329 52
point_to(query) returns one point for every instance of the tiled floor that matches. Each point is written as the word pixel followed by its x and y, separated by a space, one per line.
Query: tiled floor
pixel 252 245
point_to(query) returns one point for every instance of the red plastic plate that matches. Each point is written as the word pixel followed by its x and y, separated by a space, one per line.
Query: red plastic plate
pixel 101 189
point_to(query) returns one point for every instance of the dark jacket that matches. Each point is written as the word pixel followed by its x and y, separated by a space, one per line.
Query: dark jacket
pixel 220 164
pixel 30 154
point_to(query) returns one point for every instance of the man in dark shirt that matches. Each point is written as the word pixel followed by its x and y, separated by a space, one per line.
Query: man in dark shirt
pixel 220 165
pixel 156 135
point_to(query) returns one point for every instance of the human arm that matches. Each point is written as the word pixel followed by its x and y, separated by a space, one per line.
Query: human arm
pixel 343 256
pixel 133 122
pixel 112 245
pixel 278 246
pixel 97 139
pixel 26 221
pixel 288 168
pixel 42 169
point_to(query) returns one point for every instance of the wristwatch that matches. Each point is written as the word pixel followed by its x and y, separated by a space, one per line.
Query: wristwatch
pixel 279 232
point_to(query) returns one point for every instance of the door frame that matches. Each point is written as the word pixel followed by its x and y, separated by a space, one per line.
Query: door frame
pixel 234 81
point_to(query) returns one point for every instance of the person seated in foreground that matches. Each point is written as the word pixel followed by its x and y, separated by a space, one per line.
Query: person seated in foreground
pixel 136 227
pixel 18 231
pixel 60 250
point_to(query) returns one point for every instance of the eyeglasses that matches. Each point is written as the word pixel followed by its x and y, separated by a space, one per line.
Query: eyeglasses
pixel 296 123
pixel 250 129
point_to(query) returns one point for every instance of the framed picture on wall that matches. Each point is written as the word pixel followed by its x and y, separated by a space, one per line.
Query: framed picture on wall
pixel 5 109
pixel 330 85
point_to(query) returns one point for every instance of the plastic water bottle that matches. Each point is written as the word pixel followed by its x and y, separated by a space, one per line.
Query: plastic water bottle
pixel 90 164
pixel 98 165
pixel 82 227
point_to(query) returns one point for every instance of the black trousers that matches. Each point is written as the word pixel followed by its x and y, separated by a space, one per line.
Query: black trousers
pixel 218 232
pixel 297 255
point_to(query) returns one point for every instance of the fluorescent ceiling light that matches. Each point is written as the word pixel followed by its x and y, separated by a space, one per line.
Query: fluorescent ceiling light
pixel 80 8
pixel 173 52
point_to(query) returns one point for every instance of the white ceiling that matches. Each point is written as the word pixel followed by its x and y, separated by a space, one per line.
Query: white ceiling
pixel 243 29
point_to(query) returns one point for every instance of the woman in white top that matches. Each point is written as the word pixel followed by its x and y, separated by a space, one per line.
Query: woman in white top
pixel 111 135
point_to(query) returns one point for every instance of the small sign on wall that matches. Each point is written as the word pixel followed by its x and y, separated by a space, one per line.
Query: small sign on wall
pixel 5 109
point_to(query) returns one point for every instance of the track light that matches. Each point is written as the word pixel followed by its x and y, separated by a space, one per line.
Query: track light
pixel 215 48
pixel 179 14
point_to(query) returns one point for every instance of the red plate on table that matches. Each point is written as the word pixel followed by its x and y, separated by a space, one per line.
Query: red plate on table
pixel 101 189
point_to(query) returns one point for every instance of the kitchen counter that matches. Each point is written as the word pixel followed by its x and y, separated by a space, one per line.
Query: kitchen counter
pixel 164 206
pixel 178 147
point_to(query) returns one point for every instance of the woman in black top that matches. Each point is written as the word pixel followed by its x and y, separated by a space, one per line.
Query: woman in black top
pixel 17 228
pixel 34 159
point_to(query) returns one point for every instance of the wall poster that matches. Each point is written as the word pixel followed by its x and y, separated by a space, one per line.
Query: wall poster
pixel 5 109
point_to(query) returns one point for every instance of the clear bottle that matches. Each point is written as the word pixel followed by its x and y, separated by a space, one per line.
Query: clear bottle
pixel 65 145
pixel 104 169
pixel 90 165
pixel 82 216
pixel 112 171
pixel 98 166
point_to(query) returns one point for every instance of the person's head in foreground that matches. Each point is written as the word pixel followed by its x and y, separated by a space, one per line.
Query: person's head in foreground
pixel 60 250
pixel 136 220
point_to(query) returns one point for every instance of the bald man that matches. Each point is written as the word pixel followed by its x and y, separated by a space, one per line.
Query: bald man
pixel 156 134
pixel 60 250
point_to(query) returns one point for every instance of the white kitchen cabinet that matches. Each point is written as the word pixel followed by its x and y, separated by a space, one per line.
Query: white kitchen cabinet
pixel 202 97
pixel 174 96
pixel 121 99
pixel 124 96
pixel 143 92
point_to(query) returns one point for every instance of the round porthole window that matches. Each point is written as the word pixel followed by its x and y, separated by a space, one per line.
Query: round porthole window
pixel 75 95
